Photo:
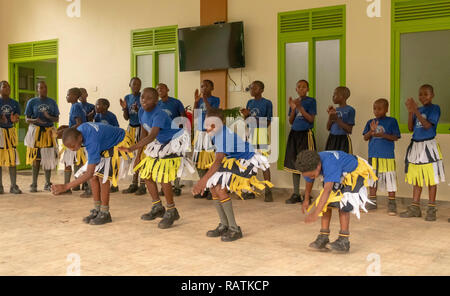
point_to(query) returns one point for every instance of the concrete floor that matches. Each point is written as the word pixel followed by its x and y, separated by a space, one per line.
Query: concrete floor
pixel 39 232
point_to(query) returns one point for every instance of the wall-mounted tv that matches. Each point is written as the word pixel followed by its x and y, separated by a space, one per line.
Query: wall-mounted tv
pixel 214 47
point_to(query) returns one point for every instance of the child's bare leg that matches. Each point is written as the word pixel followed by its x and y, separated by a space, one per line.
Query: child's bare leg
pixel 344 219
pixel 104 193
pixel 168 194
pixel 95 184
pixel 417 191
pixel 325 222
pixel 432 190
pixel 153 190
pixel 266 175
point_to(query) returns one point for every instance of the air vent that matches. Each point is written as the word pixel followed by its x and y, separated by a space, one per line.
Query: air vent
pixel 328 19
pixel 413 10
pixel 45 49
pixel 294 23
pixel 144 38
pixel 165 36
pixel 20 51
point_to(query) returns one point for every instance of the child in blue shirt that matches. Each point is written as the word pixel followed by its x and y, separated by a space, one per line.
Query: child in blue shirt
pixel 10 112
pixel 42 148
pixel 382 132
pixel 345 178
pixel 234 169
pixel 258 113
pixel 103 115
pixel 165 151
pixel 88 107
pixel 340 122
pixel 103 163
pixel 130 107
pixel 423 157
pixel 175 109
pixel 203 155
pixel 302 113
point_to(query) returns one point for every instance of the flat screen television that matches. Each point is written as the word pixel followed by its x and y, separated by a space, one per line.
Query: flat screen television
pixel 214 47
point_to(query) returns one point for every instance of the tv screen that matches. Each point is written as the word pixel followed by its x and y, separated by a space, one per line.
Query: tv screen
pixel 213 47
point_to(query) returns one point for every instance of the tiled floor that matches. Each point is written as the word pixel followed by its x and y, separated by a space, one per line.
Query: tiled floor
pixel 39 231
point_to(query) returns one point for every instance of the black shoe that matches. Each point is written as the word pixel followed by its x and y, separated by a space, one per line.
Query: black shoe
pixel 431 214
pixel 78 188
pixel 33 188
pixel 102 218
pixel 86 194
pixel 93 214
pixel 219 231
pixel 114 189
pixel 48 187
pixel 248 195
pixel 15 190
pixel 411 211
pixel 198 196
pixel 341 245
pixel 268 195
pixel 320 244
pixel 294 199
pixel 157 211
pixel 169 217
pixel 2 190
pixel 142 190
pixel 177 191
pixel 131 189
pixel 232 235
pixel 392 207
pixel 208 195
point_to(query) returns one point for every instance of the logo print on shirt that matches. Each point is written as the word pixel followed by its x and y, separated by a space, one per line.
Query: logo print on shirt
pixel 95 126
pixel 168 112
pixel 6 109
pixel 418 123
pixel 254 112
pixel 379 130
pixel 147 127
pixel 339 114
pixel 43 108
pixel 104 121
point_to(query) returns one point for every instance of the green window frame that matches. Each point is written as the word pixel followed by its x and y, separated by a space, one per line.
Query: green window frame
pixel 155 41
pixel 310 25
pixel 411 16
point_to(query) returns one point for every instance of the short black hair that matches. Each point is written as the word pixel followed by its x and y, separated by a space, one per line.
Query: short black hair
pixel 307 161
pixel 135 78
pixel 70 134
pixel 153 92
pixel 259 83
pixel 103 102
pixel 3 82
pixel 83 89
pixel 209 82
pixel 216 112
pixel 382 101
pixel 428 86
pixel 345 91
pixel 75 91
pixel 305 81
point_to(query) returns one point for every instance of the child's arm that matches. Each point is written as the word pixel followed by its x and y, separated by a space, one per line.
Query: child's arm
pixel 323 200
pixel 306 115
pixel 293 108
pixel 144 141
pixel 348 128
pixel 201 184
pixel 50 117
pixel 411 105
pixel 308 189
pixel 124 105
pixel 140 150
pixel 79 122
pixel 58 189
pixel 332 117
pixel 196 99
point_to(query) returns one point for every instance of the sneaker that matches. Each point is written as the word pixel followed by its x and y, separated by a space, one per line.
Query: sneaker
pixel 209 195
pixel 15 190
pixel 371 207
pixel 132 189
pixel 268 195
pixel 169 217
pixel 341 245
pixel 157 211
pixel 392 207
pixel 219 231
pixel 102 218
pixel 93 214
pixel 431 214
pixel 78 188
pixel 86 194
pixel 114 189
pixel 198 196
pixel 411 211
pixel 177 191
pixel 248 195
pixel 33 188
pixel 48 187
pixel 294 199
pixel 2 190
pixel 142 190
pixel 232 235
pixel 320 244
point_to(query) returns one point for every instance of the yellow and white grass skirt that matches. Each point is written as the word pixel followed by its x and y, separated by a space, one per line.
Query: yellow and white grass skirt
pixel 166 162
pixel 204 151
pixel 113 164
pixel 423 164
pixel 9 157
pixel 238 175
pixel 70 158
pixel 385 170
pixel 351 194
pixel 42 145
pixel 135 133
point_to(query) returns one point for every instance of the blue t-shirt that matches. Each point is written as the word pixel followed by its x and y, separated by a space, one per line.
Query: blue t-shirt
pixel 347 114
pixel 158 118
pixel 8 107
pixel 88 107
pixel 232 145
pixel 334 165
pixel 261 108
pixel 36 107
pixel 432 113
pixel 107 118
pixel 76 111
pixel 134 115
pixel 380 147
pixel 173 107
pixel 300 123
pixel 214 102
pixel 99 137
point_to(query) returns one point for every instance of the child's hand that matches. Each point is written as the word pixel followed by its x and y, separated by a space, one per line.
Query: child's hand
pixel 245 112
pixel 123 104
pixel 411 105
pixel 39 121
pixel 197 96
pixel 330 109
pixel 373 125
pixel 199 188
pixel 305 206
pixel 311 218
pixel 15 117
pixel 135 107
pixel 292 103
pixel 4 119
pixel 46 115
pixel 58 189
pixel 125 149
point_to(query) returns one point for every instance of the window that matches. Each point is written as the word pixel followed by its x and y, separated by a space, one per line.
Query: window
pixel 155 58
pixel 311 46
pixel 420 55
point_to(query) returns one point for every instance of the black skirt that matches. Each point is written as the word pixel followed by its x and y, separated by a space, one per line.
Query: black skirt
pixel 339 143
pixel 298 141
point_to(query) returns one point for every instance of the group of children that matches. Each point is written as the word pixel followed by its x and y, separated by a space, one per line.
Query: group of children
pixel 155 149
